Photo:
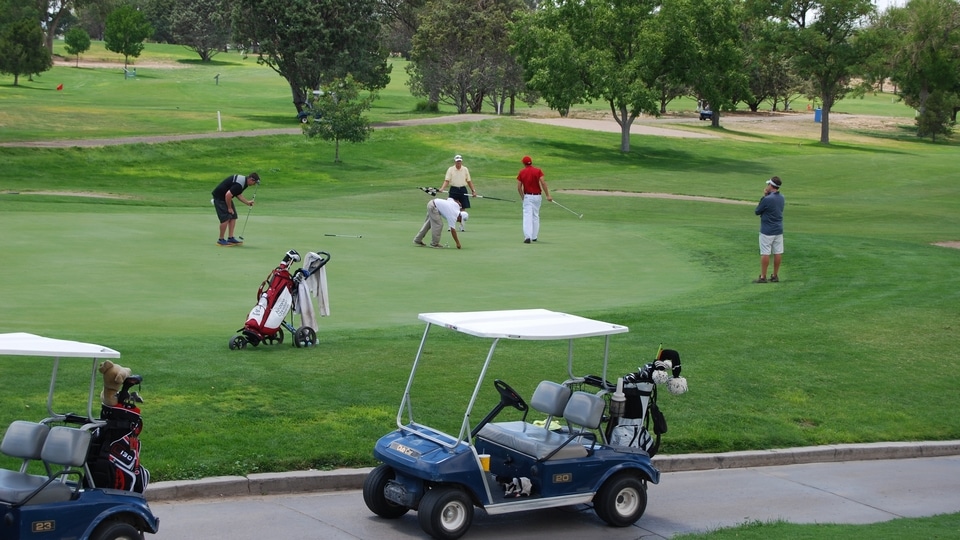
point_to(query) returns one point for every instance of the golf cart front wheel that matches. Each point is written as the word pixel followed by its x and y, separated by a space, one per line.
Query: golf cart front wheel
pixel 238 342
pixel 305 337
pixel 116 530
pixel 373 493
pixel 445 513
pixel 621 500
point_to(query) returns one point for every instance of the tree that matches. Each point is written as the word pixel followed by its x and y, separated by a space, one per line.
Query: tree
pixel 125 31
pixel 77 41
pixel 459 54
pixel 400 22
pixel 552 64
pixel 826 51
pixel 310 43
pixel 923 48
pixel 708 33
pixel 202 26
pixel 341 114
pixel 605 49
pixel 22 51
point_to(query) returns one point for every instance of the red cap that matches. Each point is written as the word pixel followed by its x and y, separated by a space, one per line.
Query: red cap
pixel 527 161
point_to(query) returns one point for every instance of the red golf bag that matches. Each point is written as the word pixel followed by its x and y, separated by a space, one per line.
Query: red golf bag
pixel 274 300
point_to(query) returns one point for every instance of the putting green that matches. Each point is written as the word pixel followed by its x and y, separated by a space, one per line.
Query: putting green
pixel 124 273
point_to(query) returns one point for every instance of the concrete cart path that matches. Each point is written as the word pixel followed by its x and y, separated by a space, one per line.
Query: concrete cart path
pixel 854 492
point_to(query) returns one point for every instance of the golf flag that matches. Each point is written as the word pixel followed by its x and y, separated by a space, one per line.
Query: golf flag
pixel 60 86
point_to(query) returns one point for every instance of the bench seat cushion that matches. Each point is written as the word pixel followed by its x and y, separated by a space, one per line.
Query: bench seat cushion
pixel 531 440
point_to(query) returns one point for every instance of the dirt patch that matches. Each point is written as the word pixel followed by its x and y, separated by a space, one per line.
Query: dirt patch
pixel 611 126
pixel 954 245
pixel 604 193
pixel 118 64
pixel 90 194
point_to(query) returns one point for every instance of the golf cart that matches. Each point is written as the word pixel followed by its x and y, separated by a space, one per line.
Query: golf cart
pixel 309 112
pixel 513 466
pixel 57 491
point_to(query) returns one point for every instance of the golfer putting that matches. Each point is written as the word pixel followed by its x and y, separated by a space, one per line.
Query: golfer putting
pixel 224 197
pixel 437 211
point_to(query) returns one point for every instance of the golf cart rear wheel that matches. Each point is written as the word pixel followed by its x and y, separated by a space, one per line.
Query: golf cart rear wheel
pixel 445 513
pixel 238 342
pixel 275 339
pixel 116 530
pixel 305 337
pixel 373 493
pixel 621 500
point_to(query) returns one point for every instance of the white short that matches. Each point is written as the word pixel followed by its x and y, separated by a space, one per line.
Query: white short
pixel 771 244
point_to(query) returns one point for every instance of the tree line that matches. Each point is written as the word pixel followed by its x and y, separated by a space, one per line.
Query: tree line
pixel 635 56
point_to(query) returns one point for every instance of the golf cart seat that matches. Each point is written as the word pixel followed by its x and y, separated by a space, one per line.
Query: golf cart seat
pixel 549 398
pixel 64 446
pixel 24 440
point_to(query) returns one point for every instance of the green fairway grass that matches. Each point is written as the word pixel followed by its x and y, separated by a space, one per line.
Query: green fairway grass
pixel 857 344
pixel 941 526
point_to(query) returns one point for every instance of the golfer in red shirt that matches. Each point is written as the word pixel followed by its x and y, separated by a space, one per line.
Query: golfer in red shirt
pixel 531 186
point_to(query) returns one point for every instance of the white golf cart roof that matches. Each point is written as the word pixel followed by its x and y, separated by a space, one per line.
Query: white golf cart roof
pixel 23 344
pixel 532 324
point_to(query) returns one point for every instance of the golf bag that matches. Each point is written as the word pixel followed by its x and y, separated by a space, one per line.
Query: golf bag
pixel 630 422
pixel 274 300
pixel 114 455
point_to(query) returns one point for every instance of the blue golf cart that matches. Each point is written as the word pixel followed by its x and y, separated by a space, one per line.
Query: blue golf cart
pixel 510 466
pixel 53 494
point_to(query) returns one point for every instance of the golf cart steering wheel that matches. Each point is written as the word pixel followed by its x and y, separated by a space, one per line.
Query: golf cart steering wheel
pixel 509 396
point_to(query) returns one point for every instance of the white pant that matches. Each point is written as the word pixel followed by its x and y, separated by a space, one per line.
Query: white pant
pixel 531 216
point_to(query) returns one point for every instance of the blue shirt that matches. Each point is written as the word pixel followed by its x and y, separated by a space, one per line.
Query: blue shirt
pixel 770 211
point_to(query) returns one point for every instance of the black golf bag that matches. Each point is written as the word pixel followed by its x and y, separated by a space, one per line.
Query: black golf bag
pixel 114 454
pixel 634 415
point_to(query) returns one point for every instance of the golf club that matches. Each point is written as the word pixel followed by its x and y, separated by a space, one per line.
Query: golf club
pixel 254 199
pixel 345 235
pixel 579 216
pixel 493 198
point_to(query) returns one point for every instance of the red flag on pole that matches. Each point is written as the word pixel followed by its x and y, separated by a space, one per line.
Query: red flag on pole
pixel 60 86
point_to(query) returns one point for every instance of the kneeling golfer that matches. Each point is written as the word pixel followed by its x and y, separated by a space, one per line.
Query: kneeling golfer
pixel 223 196
pixel 437 210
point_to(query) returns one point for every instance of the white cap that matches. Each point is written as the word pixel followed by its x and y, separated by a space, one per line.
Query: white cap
pixel 464 215
pixel 457 158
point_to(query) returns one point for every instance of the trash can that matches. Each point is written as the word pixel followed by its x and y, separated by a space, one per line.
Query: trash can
pixel 817 115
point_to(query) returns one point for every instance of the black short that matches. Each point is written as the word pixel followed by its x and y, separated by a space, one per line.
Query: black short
pixel 222 213
pixel 460 194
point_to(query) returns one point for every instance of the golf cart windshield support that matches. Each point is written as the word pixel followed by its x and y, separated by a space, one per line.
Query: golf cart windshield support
pixel 429 433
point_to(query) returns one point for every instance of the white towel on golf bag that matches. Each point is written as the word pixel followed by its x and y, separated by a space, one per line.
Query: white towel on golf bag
pixel 314 286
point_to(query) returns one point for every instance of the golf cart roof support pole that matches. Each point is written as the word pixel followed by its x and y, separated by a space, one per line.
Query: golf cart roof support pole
pixel 53 384
pixel 606 358
pixel 93 385
pixel 465 428
pixel 405 402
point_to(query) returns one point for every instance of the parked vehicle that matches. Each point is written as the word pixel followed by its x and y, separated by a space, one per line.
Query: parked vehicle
pixel 57 492
pixel 513 466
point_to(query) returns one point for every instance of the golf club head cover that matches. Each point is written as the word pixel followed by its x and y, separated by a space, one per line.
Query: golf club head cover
pixel 677 385
pixel 674 358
